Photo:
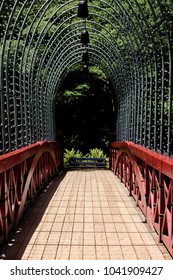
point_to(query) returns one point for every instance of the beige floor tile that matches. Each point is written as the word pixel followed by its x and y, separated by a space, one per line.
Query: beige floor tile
pixel 114 210
pixel 120 204
pixel 77 238
pixel 54 238
pixel 129 253
pixel 112 238
pixel 80 204
pixel 57 226
pixel 71 210
pixel 65 238
pixel 69 218
pixel 79 218
pixel 79 227
pixel 106 211
pixel 136 238
pixel 142 253
pixel 127 218
pixel 117 218
pixel 147 238
pixel 76 252
pixel 72 204
pixel 63 252
pixel 42 237
pixel 88 211
pixel 55 203
pixel 132 210
pixel 67 227
pixel 97 211
pixel 88 204
pixel 110 227
pixel 89 252
pixel 130 227
pixel 96 204
pixel 102 253
pixel 137 218
pixel 142 227
pixel 88 227
pixel 88 218
pixel 36 252
pixel 107 218
pixel 89 238
pixel 46 227
pixel 80 210
pixel 124 239
pixel 49 252
pixel 59 218
pixel 99 227
pixel 130 204
pixel 53 210
pixel 100 238
pixel 115 252
pixel 155 253
pixel 61 210
pixel 123 211
pixel 105 205
pixel 97 218
pixel 120 227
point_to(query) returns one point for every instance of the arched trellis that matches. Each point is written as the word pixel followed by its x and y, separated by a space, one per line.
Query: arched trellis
pixel 132 43
pixel 139 37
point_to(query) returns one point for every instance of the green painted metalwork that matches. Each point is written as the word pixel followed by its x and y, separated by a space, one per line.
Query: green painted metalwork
pixel 131 41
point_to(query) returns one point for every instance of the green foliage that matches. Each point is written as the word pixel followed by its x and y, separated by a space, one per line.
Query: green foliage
pixel 93 153
pixel 98 72
pixel 68 154
pixel 96 153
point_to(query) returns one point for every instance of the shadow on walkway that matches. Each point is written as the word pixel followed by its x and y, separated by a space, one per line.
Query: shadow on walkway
pixel 19 238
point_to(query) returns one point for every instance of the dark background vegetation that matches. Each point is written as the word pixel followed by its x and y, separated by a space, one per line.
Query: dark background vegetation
pixel 85 110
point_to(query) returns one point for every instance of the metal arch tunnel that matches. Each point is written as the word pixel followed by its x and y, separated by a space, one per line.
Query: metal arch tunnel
pixel 131 41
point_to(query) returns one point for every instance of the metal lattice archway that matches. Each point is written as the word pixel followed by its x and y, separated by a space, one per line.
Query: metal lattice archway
pixel 130 41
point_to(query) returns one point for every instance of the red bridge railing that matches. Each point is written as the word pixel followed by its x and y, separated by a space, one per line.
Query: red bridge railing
pixel 149 178
pixel 22 174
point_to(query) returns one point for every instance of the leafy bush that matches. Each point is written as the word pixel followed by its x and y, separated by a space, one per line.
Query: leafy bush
pixel 98 153
pixel 93 153
pixel 68 154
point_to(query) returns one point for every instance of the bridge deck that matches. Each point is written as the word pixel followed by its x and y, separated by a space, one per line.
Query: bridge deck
pixel 84 215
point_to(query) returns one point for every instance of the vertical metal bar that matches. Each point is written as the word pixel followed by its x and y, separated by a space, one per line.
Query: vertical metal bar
pixel 145 106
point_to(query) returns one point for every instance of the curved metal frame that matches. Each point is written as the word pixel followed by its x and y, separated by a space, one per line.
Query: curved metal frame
pixel 140 69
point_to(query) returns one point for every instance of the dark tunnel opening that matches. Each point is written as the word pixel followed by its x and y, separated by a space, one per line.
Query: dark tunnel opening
pixel 86 110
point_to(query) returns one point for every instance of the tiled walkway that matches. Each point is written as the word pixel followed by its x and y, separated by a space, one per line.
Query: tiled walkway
pixel 84 215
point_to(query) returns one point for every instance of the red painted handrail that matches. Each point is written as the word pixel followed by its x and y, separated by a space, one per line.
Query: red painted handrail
pixel 22 174
pixel 149 179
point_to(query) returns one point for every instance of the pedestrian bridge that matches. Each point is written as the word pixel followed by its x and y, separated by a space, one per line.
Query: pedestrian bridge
pixel 41 44
pixel 84 215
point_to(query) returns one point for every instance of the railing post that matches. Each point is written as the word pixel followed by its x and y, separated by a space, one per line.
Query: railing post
pixel 4 208
pixel 161 208
pixel 130 179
